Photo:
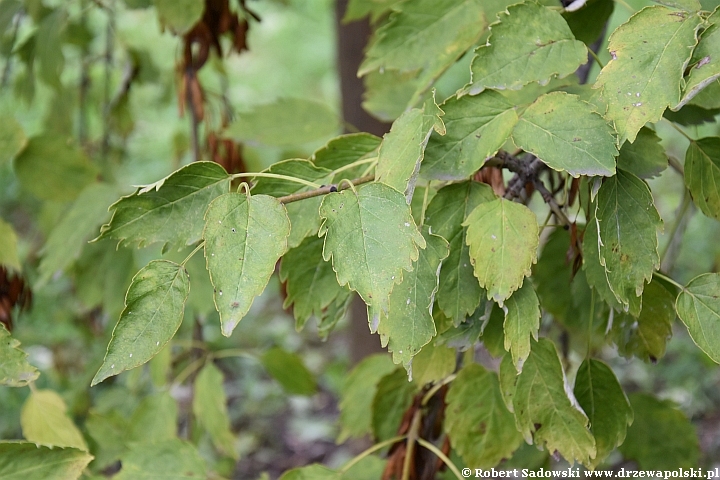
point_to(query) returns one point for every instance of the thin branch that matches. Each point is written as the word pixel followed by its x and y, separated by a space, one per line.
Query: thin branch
pixel 190 75
pixel 295 197
pixel 550 200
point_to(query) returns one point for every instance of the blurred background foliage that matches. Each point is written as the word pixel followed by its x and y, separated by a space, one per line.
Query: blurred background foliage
pixel 65 69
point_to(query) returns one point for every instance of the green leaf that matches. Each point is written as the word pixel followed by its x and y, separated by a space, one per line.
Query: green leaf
pixel 628 223
pixel 477 126
pixel 8 247
pixel 705 62
pixel 647 335
pixel 22 461
pixel 290 371
pixel 645 157
pixel 70 235
pixel 568 135
pixel 480 427
pixel 179 15
pixel 595 272
pixel 166 459
pixel 304 219
pixel 52 169
pixel 284 123
pixel 493 336
pixel 552 274
pixel 48 47
pixel 12 138
pixel 588 23
pixel 210 409
pixel 599 393
pixel 530 43
pixel 244 238
pixel 154 307
pixel 170 210
pixel 108 432
pixel 689 5
pixel 311 472
pixel 661 437
pixel 154 419
pixel 649 54
pixel 503 240
pixel 543 411
pixel 409 324
pixel 508 377
pixel 45 421
pixel 15 371
pixel 459 292
pixel 522 321
pixel 357 394
pixel 358 9
pixel 371 238
pixel 393 397
pixel 702 175
pixel 433 363
pixel 698 306
pixel 345 149
pixel 403 149
pixel 425 35
pixel 708 96
pixel 310 281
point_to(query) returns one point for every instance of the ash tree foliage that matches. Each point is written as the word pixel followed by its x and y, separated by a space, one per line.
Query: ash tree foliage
pixel 514 209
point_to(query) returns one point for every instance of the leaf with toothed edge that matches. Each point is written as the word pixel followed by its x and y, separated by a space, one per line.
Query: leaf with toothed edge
pixel 244 237
pixel 371 237
pixel 503 240
pixel 705 62
pixel 154 307
pixel 698 306
pixel 409 324
pixel 15 370
pixel 702 175
pixel 522 321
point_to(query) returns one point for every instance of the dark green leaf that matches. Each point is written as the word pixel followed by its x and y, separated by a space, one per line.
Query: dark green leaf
pixel 645 157
pixel 522 321
pixel 552 275
pixel 23 461
pixel 345 149
pixel 244 236
pixel 661 437
pixel 393 396
pixel 170 210
pixel 698 306
pixel 599 393
pixel 290 371
pixel 705 61
pixel 702 175
pixel 154 308
pixel 433 363
pixel 588 23
pixel 479 425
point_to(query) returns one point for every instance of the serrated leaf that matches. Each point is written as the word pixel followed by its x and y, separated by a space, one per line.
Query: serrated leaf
pixel 552 275
pixel 357 394
pixel 371 237
pixel 433 363
pixel 393 397
pixel 705 61
pixel 508 377
pixel 595 272
pixel 645 157
pixel 165 459
pixel 154 419
pixel 628 224
pixel 52 169
pixel 567 135
pixel 345 149
pixel 425 35
pixel 646 335
pixel 290 371
pixel 402 150
pixel 543 411
pixel 661 437
pixel 44 420
pixel 24 460
pixel 154 307
pixel 286 122
pixel 464 336
pixel 8 247
pixel 599 393
pixel 170 210
pixel 493 336
pixel 409 324
pixel 702 175
pixel 522 321
pixel 480 427
pixel 68 238
pixel 459 293
pixel 530 43
pixel 210 409
pixel 310 281
pixel 12 138
pixel 244 237
pixel 649 54
pixel 698 306
pixel 477 126
pixel 179 15
pixel 503 240
pixel 15 371
pixel 304 219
